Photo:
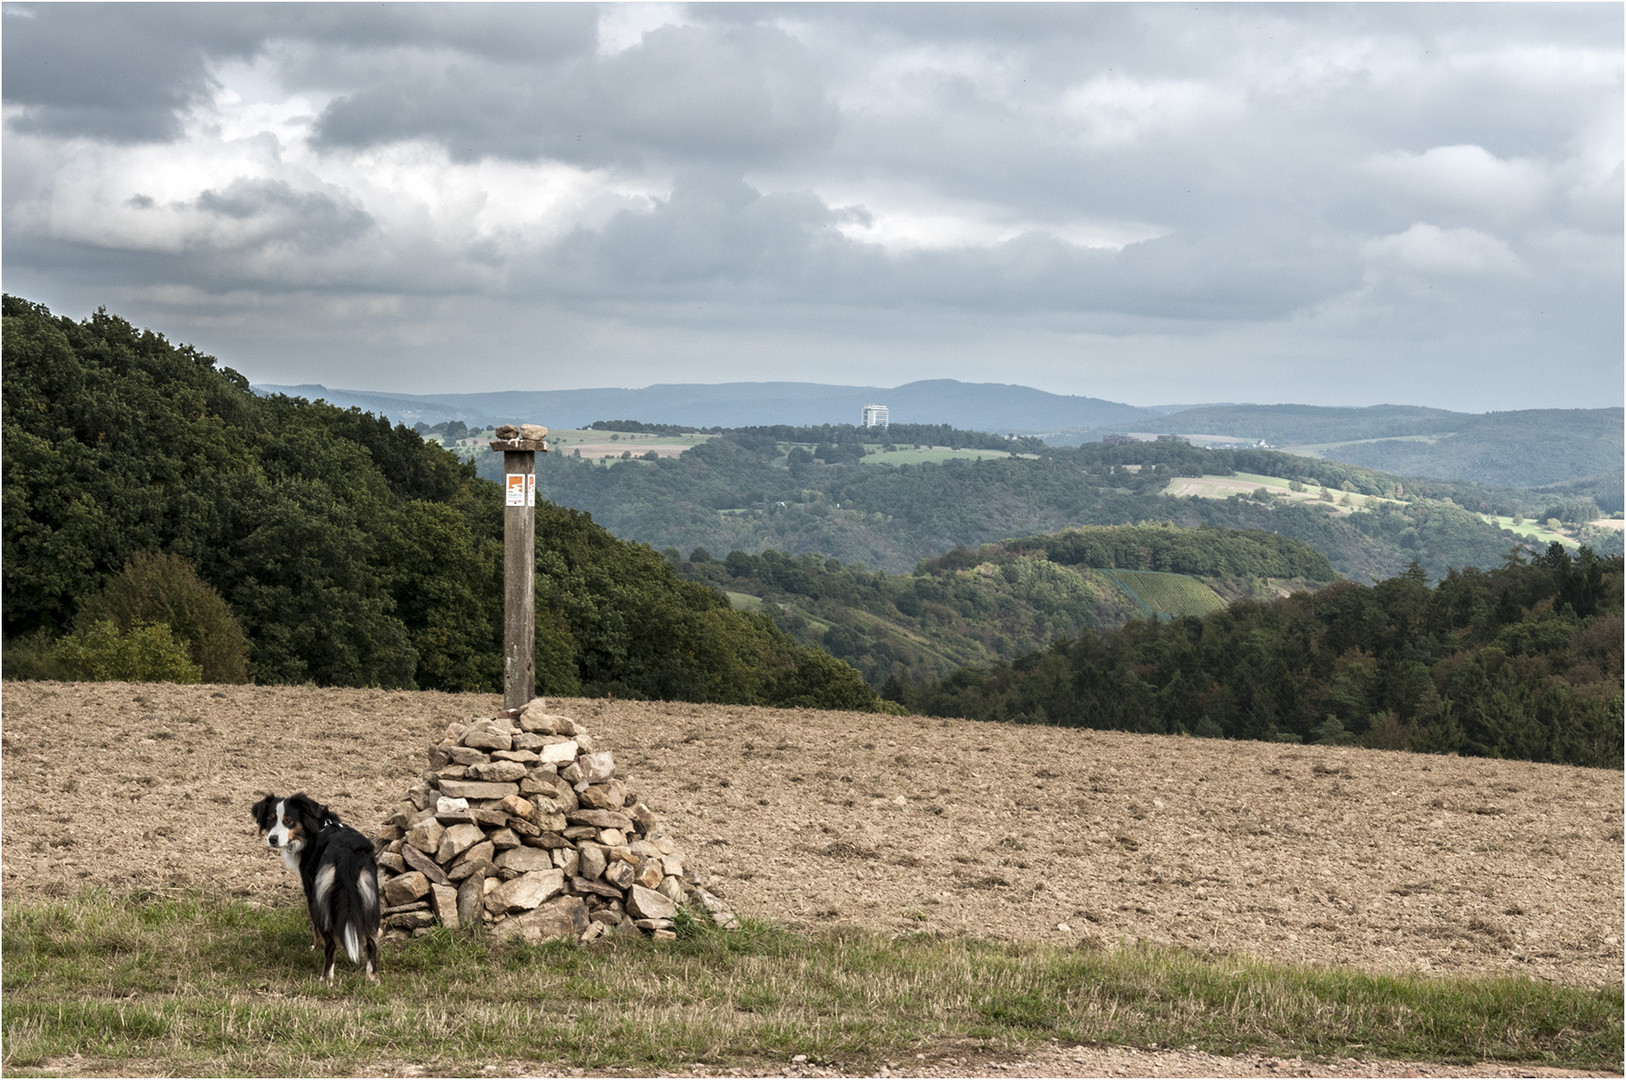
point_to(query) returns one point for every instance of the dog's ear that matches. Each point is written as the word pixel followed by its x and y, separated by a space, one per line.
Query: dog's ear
pixel 263 812
pixel 309 810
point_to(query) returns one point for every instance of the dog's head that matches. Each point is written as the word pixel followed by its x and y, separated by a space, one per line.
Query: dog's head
pixel 286 824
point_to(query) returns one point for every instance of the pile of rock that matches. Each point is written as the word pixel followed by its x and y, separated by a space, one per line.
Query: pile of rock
pixel 521 823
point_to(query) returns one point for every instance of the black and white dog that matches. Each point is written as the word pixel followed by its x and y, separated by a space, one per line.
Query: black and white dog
pixel 335 864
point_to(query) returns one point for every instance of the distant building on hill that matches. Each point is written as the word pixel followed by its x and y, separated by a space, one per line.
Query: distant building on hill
pixel 875 416
pixel 1173 438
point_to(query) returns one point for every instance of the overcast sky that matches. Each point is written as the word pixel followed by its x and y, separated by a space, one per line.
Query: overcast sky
pixel 1155 204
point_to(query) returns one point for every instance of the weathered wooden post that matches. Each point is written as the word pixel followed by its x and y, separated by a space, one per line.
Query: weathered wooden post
pixel 519 446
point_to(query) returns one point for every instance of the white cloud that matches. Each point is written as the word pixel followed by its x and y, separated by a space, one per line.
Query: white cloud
pixel 1115 110
pixel 623 25
pixel 1469 180
pixel 1429 250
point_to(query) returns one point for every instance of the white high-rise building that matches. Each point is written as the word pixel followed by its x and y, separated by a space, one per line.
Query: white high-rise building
pixel 875 416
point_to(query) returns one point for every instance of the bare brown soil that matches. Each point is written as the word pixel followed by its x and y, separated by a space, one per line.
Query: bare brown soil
pixel 1391 862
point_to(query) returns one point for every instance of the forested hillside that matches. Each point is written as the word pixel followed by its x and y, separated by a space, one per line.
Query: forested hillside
pixel 347 551
pixel 752 491
pixel 1522 661
pixel 971 607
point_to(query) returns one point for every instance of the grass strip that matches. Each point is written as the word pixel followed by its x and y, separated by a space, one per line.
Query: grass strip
pixel 199 986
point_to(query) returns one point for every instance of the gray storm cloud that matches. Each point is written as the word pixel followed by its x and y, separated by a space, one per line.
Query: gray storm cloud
pixel 1113 199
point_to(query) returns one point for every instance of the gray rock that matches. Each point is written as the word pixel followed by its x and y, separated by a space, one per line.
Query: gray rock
pixel 443 902
pixel 620 874
pixel 672 889
pixel 504 839
pixel 415 905
pixel 654 924
pixel 392 862
pixel 405 888
pixel 600 819
pixel 548 840
pixel 596 768
pixel 649 874
pixel 455 841
pixel 477 789
pixel 410 920
pixel 523 756
pixel 593 861
pixel 496 771
pixel 471 900
pixel 484 851
pixel 645 903
pixel 597 888
pixel 524 859
pixel 424 865
pixel 563 918
pixel 481 868
pixel 642 818
pixel 525 892
pixel 426 836
pixel 558 751
pixel 488 740
pixel 467 755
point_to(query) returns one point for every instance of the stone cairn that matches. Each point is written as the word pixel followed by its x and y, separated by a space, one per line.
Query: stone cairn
pixel 520 823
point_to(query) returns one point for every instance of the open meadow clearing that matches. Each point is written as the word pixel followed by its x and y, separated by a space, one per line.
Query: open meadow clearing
pixel 933 834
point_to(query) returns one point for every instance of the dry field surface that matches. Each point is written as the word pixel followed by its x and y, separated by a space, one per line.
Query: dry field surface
pixel 1388 861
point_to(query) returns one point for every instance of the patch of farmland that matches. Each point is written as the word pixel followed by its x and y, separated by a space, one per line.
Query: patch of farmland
pixel 1167 595
pixel 909 824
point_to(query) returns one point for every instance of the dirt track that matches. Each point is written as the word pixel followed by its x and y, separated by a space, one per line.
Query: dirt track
pixel 1389 861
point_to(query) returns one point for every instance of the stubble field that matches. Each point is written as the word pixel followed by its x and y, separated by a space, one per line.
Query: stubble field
pixel 1393 862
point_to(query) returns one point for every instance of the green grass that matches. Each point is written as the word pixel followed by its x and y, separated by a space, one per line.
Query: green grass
pixel 1173 595
pixel 199 986
pixel 1530 530
pixel 1320 450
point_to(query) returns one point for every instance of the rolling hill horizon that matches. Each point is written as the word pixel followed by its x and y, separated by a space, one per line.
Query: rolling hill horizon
pixel 1522 448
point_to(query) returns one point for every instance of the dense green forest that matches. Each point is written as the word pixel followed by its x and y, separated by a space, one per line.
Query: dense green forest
pixel 1523 661
pixel 751 491
pixel 973 606
pixel 344 550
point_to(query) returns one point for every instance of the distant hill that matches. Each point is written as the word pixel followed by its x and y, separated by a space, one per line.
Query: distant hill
pixel 973 406
pixel 1525 449
pixel 1298 425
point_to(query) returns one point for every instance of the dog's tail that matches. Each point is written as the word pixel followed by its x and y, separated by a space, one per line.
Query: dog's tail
pixel 354 903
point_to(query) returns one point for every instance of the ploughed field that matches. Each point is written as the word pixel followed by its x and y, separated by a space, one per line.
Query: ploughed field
pixel 1387 861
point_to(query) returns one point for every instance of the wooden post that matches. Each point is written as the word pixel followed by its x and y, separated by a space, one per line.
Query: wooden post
pixel 519 560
